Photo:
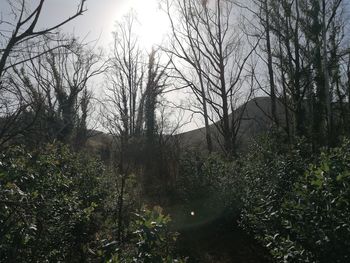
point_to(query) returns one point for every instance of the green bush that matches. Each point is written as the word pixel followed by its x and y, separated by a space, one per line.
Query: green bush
pixel 210 186
pixel 60 206
pixel 297 204
pixel 317 213
pixel 150 239
pixel 50 200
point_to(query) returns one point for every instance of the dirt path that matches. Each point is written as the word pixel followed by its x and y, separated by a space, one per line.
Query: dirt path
pixel 217 242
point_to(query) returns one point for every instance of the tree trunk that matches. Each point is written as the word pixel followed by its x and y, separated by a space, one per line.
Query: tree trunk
pixel 205 112
pixel 327 102
pixel 270 66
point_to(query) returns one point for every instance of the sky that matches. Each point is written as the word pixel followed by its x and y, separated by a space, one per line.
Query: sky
pixel 99 20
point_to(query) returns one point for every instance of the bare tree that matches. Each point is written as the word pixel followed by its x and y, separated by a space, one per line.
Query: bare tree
pixel 182 49
pixel 129 111
pixel 24 29
pixel 207 40
pixel 15 36
pixel 123 108
pixel 261 12
pixel 55 85
pixel 126 76
pixel 305 30
pixel 304 50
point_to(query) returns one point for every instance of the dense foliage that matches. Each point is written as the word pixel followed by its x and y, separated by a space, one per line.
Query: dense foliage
pixel 299 207
pixel 50 201
pixel 150 241
pixel 294 201
pixel 60 206
pixel 209 186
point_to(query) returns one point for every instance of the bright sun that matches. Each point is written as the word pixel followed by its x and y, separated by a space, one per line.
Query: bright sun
pixel 153 22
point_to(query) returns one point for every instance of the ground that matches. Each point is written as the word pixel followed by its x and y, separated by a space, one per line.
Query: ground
pixel 219 241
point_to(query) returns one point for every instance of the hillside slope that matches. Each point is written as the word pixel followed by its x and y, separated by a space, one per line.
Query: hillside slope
pixel 255 120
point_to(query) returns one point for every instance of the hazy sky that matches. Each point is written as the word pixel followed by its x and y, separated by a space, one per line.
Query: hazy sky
pixel 100 17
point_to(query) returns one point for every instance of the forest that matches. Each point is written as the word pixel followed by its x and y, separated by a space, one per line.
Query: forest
pixel 101 159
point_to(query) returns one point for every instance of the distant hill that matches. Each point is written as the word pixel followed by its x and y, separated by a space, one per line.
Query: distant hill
pixel 99 144
pixel 255 120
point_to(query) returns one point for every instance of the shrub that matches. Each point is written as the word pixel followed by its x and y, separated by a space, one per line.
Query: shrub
pixel 298 207
pixel 151 241
pixel 210 186
pixel 50 199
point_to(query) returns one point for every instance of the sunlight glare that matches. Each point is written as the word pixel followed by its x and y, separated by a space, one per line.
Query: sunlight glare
pixel 153 22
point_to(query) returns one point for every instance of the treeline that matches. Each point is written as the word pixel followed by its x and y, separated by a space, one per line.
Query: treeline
pixel 295 52
pixel 306 50
pixel 220 53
